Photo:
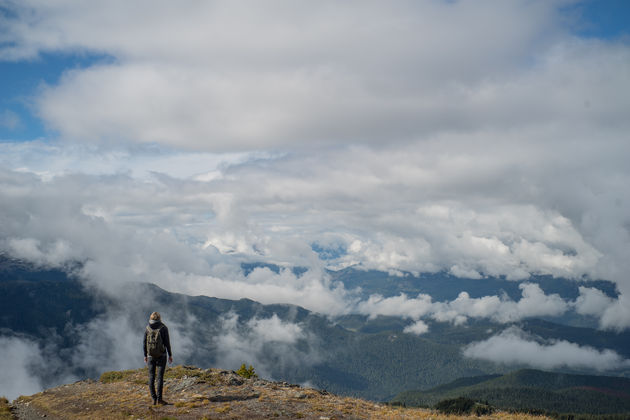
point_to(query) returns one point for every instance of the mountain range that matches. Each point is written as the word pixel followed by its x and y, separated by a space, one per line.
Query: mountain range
pixel 354 355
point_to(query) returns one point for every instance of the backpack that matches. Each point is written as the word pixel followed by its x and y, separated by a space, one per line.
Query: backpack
pixel 155 346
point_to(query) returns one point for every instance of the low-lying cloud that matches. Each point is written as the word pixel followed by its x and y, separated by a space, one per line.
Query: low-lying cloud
pixel 269 344
pixel 418 328
pixel 191 237
pixel 533 303
pixel 19 363
pixel 513 346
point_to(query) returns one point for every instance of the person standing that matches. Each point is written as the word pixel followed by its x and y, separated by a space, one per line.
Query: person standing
pixel 156 345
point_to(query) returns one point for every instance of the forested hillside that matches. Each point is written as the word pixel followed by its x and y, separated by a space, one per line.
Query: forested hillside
pixel 351 355
pixel 534 390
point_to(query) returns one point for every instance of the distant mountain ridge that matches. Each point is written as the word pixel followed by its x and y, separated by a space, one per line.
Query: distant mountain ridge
pixel 444 286
pixel 351 355
pixel 530 389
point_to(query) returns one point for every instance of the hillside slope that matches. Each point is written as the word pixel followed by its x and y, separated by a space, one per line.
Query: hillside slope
pixel 532 389
pixel 194 393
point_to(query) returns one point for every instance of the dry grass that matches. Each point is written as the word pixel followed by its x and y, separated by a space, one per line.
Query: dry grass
pixel 123 375
pixel 5 409
pixel 223 408
pixel 214 394
pixel 202 376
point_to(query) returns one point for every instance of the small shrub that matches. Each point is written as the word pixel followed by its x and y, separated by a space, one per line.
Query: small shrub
pixel 5 410
pixel 482 409
pixel 246 372
pixel 459 405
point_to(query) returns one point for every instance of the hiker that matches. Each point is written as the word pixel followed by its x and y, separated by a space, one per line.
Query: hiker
pixel 155 345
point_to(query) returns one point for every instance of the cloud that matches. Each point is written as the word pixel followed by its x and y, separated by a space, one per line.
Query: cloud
pixel 513 346
pixel 18 365
pixel 190 236
pixel 110 341
pixel 417 328
pixel 592 301
pixel 166 246
pixel 113 341
pixel 53 159
pixel 399 305
pixel 470 137
pixel 613 313
pixel 617 315
pixel 269 344
pixel 30 365
pixel 534 303
pixel 223 80
pixel 273 329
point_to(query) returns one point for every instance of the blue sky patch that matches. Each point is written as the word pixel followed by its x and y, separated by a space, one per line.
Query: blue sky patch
pixel 21 81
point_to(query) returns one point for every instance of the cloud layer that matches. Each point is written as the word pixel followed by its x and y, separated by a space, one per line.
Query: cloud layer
pixel 20 356
pixel 191 235
pixel 222 76
pixel 534 303
pixel 512 346
pixel 472 137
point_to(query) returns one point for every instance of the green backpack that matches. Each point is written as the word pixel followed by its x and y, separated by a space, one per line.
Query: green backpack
pixel 155 346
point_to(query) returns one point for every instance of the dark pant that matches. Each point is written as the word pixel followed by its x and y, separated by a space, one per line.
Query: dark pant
pixel 160 364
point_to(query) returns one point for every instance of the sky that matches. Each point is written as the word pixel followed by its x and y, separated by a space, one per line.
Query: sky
pixel 171 142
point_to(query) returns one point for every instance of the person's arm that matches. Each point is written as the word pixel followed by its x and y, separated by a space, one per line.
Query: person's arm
pixel 144 345
pixel 167 343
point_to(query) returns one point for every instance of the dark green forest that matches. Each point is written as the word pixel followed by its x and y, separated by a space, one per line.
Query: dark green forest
pixel 533 390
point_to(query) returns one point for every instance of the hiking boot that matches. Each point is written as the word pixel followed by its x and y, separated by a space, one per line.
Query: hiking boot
pixel 154 401
pixel 160 401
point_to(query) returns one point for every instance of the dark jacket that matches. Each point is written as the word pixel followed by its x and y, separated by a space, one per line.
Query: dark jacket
pixel 163 334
